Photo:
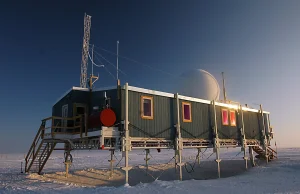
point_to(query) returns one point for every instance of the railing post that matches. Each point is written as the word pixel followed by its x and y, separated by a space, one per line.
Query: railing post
pixel 81 126
pixel 52 124
pixel 33 150
pixel 85 124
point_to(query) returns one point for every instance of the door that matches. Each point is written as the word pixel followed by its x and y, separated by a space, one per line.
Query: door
pixel 80 110
pixel 64 114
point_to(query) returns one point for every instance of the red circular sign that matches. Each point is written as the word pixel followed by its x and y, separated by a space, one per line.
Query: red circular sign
pixel 108 117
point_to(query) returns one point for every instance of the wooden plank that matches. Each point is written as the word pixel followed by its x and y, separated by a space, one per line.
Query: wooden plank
pixel 48 118
pixel 52 130
pixel 75 127
pixel 47 157
pixel 66 133
pixel 63 118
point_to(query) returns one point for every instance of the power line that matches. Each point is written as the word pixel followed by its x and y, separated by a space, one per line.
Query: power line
pixel 110 63
pixel 137 62
pixel 120 70
pixel 93 63
pixel 109 72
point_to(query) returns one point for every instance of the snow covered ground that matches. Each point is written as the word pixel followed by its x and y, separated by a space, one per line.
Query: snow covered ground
pixel 281 176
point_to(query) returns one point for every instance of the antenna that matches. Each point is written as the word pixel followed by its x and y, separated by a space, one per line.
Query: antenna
pixel 117 60
pixel 118 81
pixel 85 50
pixel 224 90
pixel 93 60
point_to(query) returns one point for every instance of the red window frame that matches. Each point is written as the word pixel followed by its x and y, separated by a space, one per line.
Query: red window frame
pixel 225 117
pixel 232 118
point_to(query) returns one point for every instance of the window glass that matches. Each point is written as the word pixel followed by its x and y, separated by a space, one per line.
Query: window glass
pixel 147 107
pixel 186 109
pixel 225 117
pixel 232 118
pixel 186 112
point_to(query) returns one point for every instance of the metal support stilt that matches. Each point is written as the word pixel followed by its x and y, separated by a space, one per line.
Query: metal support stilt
pixel 126 140
pixel 265 141
pixel 199 155
pixel 179 146
pixel 67 165
pixel 147 158
pixel 218 160
pixel 180 164
pixel 216 140
pixel 251 156
pixel 112 151
pixel 68 159
pixel 176 159
pixel 243 141
pixel 245 158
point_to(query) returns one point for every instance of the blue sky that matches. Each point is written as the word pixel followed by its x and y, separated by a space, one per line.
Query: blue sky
pixel 256 43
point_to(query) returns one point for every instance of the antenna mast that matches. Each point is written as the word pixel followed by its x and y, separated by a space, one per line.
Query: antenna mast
pixel 117 60
pixel 85 50
pixel 118 81
pixel 93 60
pixel 224 91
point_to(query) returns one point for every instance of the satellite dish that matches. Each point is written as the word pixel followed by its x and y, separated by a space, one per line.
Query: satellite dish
pixel 198 83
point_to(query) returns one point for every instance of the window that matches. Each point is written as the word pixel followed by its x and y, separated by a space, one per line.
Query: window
pixel 225 117
pixel 147 107
pixel 232 118
pixel 186 112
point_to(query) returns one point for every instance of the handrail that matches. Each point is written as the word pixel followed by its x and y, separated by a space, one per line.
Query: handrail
pixel 38 140
pixel 63 133
pixel 43 128
pixel 272 150
pixel 63 118
pixel 76 125
pixel 34 142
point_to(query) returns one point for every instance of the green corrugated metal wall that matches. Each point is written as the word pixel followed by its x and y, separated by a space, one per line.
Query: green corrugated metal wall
pixel 227 131
pixel 252 125
pixel 200 127
pixel 162 124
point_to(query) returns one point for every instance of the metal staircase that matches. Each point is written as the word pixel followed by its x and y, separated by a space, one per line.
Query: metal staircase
pixel 272 154
pixel 39 152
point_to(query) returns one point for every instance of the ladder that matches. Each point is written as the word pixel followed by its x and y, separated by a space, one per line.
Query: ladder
pixel 272 154
pixel 39 152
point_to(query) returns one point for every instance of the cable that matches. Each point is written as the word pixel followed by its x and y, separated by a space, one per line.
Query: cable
pixel 93 63
pixel 132 60
pixel 110 73
pixel 120 70
pixel 109 62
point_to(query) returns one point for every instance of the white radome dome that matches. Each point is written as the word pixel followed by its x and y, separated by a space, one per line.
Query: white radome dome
pixel 199 84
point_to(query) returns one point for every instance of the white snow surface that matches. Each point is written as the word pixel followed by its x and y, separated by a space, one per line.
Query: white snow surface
pixel 280 176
